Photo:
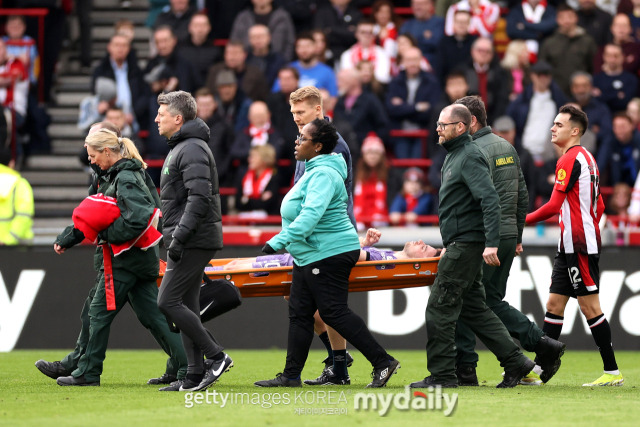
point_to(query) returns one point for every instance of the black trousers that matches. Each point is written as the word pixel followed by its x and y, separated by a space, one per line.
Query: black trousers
pixel 179 300
pixel 324 286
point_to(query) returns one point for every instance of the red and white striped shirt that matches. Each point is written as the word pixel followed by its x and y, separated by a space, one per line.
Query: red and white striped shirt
pixel 577 176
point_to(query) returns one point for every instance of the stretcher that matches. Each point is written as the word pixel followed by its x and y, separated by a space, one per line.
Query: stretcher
pixel 365 276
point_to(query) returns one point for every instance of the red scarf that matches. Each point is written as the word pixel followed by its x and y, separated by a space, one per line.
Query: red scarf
pixel 534 15
pixel 253 185
pixel 358 54
pixel 412 202
pixel 259 135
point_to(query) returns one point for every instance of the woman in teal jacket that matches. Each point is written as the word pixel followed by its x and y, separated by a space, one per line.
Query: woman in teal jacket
pixel 317 232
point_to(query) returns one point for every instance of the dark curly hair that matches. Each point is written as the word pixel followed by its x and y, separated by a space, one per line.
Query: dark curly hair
pixel 324 133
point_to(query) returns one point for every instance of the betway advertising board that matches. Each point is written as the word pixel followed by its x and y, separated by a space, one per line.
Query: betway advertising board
pixel 41 295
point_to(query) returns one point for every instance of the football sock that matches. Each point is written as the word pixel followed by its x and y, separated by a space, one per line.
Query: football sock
pixel 196 378
pixel 601 332
pixel 340 363
pixel 218 357
pixel 552 325
pixel 324 337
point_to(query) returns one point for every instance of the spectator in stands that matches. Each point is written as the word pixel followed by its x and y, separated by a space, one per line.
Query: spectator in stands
pixel 618 204
pixel 178 17
pixel 505 127
pixel 93 108
pixel 344 127
pixel 516 61
pixel 338 21
pixel 362 109
pixel 484 17
pixel 622 35
pixel 615 86
pixel 170 59
pixel 568 41
pixel 312 71
pixel 370 191
pixel 487 78
pixel 386 27
pixel 301 11
pixel 322 52
pixel 249 78
pixel 233 104
pixel 261 55
pixel 22 47
pixel 14 85
pixel 132 91
pixel 598 114
pixel 259 132
pixel 277 19
pixel 258 189
pixel 369 81
pixel 426 28
pixel 634 16
pixel 412 201
pixel 278 103
pixel 625 158
pixel 221 135
pixel 455 50
pixel 633 111
pixel 156 7
pixel 16 203
pixel 405 42
pixel 198 50
pixel 118 117
pixel 366 50
pixel 594 20
pixel 533 112
pixel 410 100
pixel 126 28
pixel 634 207
pixel 531 21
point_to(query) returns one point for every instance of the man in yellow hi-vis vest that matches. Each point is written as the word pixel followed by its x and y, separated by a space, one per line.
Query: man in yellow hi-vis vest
pixel 16 204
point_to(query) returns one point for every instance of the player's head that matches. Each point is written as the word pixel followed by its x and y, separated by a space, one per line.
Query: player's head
pixel 419 249
pixel 568 126
pixel 306 105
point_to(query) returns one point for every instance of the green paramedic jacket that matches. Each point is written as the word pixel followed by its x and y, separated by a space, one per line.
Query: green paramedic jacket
pixel 505 171
pixel 469 205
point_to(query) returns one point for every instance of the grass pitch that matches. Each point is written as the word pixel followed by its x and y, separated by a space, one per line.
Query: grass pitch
pixel 29 398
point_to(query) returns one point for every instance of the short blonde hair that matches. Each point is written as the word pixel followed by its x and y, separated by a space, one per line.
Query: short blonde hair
pixel 267 154
pixel 311 94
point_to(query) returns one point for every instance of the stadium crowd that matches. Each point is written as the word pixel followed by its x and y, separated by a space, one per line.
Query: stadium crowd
pixel 386 68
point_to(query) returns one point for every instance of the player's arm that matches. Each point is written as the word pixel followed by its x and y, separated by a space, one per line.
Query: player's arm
pixel 546 211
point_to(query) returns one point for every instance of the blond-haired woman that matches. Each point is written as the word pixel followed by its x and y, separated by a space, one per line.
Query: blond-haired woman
pixel 129 277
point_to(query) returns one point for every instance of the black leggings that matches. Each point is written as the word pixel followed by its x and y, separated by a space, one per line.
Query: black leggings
pixel 179 300
pixel 324 285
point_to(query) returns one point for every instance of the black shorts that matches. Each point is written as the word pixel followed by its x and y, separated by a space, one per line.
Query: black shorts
pixel 575 274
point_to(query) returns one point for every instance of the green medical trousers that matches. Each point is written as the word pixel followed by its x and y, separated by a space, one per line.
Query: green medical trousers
pixel 519 326
pixel 458 294
pixel 89 353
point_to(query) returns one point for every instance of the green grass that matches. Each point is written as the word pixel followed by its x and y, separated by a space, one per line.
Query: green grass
pixel 29 398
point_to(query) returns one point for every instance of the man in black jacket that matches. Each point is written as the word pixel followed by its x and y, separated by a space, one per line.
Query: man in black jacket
pixel 192 233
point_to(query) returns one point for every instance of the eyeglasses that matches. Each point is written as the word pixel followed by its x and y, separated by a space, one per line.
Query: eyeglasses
pixel 443 125
pixel 300 139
